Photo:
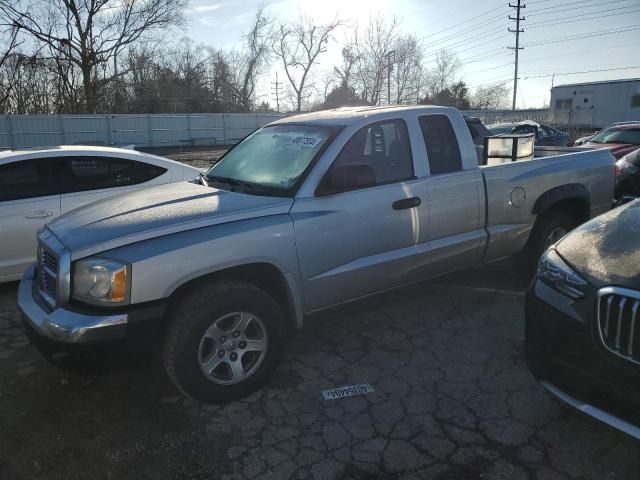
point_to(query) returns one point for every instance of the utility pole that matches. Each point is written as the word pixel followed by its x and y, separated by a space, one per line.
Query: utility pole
pixel 276 91
pixel 517 48
pixel 388 55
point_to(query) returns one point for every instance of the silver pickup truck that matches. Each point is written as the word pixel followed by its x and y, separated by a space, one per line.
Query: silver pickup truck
pixel 306 213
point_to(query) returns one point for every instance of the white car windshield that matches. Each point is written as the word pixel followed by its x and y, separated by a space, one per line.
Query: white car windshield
pixel 274 157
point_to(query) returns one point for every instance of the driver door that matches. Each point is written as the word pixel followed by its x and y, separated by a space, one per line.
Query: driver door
pixel 361 241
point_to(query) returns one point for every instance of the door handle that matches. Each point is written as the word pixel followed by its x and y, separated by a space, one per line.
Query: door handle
pixel 39 215
pixel 405 203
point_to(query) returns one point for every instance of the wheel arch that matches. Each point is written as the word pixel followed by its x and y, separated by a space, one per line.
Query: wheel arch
pixel 263 275
pixel 572 198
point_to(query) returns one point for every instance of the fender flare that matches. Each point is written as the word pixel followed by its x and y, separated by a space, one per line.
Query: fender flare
pixel 570 191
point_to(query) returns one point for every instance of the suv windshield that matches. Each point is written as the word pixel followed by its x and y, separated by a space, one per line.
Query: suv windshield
pixel 618 135
pixel 272 158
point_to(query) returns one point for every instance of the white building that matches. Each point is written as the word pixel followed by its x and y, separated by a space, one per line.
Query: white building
pixel 596 104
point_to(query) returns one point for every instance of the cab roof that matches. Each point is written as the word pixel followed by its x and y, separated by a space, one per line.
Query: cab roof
pixel 349 115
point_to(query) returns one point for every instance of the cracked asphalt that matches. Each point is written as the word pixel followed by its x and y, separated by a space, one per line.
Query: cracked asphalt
pixel 452 400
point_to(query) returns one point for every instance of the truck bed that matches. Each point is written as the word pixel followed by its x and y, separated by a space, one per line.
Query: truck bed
pixel 511 189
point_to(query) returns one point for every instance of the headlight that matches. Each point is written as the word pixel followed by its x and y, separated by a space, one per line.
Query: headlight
pixel 553 271
pixel 626 167
pixel 97 280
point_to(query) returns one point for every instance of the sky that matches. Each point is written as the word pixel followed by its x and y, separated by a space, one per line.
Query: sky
pixel 577 40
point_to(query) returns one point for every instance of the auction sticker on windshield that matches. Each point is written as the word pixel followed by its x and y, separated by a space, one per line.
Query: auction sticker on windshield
pixel 305 142
pixel 347 391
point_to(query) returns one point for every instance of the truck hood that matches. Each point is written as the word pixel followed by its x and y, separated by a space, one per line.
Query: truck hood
pixel 606 250
pixel 157 211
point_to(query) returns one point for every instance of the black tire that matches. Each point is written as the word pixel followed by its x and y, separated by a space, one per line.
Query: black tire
pixel 195 314
pixel 547 223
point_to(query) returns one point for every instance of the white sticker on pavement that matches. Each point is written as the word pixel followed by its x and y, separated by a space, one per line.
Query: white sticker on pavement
pixel 347 391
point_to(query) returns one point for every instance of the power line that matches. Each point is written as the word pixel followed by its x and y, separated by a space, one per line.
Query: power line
pixel 464 41
pixel 517 48
pixel 583 71
pixel 582 35
pixel 560 10
pixel 475 17
pixel 276 91
pixel 580 18
pixel 471 29
pixel 472 47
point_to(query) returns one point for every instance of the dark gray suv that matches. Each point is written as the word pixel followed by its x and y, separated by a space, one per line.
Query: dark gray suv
pixel 583 319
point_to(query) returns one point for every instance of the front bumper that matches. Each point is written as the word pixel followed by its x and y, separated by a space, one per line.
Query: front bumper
pixel 65 326
pixel 565 356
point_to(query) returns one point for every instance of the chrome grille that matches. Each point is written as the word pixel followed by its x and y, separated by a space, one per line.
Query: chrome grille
pixel 618 316
pixel 47 275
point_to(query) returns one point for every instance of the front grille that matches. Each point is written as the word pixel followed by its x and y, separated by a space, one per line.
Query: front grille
pixel 618 322
pixel 47 275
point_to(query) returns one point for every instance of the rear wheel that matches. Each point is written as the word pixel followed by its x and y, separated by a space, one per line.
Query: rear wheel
pixel 224 341
pixel 548 229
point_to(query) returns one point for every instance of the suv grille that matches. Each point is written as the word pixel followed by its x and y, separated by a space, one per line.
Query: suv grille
pixel 619 322
pixel 47 275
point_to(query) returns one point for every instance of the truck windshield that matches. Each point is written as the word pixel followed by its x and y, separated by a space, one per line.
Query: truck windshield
pixel 272 158
pixel 618 135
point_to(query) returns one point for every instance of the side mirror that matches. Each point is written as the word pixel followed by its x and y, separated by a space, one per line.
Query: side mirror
pixel 343 178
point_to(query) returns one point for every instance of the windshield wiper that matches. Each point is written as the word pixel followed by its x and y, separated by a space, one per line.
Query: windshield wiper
pixel 249 187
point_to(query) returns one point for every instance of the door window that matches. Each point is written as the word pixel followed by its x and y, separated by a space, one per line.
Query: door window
pixel 442 144
pixel 30 178
pixel 94 173
pixel 383 146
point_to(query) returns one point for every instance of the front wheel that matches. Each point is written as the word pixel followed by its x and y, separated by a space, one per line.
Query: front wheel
pixel 224 341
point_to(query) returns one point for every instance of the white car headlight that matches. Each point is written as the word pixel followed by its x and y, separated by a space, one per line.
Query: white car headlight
pixel 97 280
pixel 553 271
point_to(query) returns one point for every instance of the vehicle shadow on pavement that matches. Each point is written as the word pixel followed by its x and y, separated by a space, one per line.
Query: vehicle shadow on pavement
pixel 452 399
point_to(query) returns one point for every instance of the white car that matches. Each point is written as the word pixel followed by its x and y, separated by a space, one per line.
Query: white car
pixel 37 186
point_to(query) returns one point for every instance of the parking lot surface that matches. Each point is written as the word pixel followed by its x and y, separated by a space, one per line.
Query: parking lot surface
pixel 452 399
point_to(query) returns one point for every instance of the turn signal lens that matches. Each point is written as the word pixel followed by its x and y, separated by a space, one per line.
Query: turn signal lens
pixel 119 285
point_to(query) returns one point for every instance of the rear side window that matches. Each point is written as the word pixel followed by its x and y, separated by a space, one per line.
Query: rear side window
pixel 385 147
pixel 442 144
pixel 94 173
pixel 33 178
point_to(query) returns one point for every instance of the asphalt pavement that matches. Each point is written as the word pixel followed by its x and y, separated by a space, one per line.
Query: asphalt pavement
pixel 452 399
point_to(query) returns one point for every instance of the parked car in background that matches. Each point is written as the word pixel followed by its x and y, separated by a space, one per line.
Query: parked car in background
pixel 583 319
pixel 306 213
pixel 478 133
pixel 545 135
pixel 621 139
pixel 36 186
pixel 478 130
pixel 582 140
pixel 628 174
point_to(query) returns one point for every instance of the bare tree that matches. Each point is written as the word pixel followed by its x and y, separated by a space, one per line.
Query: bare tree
pixel 444 73
pixel 408 69
pixel 7 75
pixel 487 97
pixel 372 53
pixel 298 46
pixel 345 71
pixel 90 34
pixel 256 45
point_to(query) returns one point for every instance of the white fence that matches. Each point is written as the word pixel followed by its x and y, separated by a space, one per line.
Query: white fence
pixel 542 115
pixel 161 130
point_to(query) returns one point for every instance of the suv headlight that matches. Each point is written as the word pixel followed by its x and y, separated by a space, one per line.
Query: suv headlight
pixel 626 167
pixel 554 272
pixel 101 281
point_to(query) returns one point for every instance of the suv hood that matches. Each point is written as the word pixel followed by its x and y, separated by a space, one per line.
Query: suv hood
pixel 157 211
pixel 606 250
